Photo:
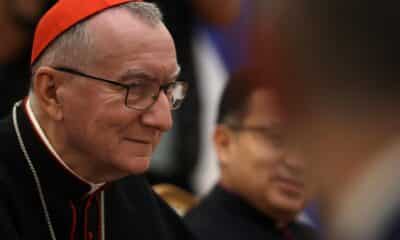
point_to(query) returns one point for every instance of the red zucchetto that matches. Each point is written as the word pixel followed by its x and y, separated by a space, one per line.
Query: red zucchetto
pixel 63 15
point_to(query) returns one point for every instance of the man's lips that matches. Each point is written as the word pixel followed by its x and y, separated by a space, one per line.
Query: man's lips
pixel 141 141
pixel 290 184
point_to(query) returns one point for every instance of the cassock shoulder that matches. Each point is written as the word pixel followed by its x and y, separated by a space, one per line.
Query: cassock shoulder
pixel 146 209
pixel 8 161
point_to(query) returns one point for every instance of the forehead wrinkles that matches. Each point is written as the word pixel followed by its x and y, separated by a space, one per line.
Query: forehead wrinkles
pixel 126 45
pixel 125 35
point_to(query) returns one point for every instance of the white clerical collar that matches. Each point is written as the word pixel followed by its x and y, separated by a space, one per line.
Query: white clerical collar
pixel 39 130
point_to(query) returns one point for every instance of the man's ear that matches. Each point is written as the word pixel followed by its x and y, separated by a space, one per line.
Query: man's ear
pixel 223 139
pixel 46 83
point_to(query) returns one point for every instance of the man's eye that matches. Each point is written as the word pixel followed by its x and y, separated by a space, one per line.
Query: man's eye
pixel 134 85
pixel 277 140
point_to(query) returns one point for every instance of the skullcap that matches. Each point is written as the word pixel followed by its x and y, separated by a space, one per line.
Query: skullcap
pixel 62 16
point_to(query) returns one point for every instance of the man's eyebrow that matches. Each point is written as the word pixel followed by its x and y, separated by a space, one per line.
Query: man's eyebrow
pixel 273 126
pixel 140 74
pixel 277 125
pixel 136 74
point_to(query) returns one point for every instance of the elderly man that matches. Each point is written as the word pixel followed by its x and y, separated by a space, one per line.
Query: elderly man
pixel 102 89
pixel 261 187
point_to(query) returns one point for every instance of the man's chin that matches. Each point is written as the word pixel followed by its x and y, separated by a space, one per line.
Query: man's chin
pixel 290 205
pixel 137 165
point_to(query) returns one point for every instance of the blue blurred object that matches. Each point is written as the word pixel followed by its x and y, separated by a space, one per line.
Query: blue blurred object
pixel 232 42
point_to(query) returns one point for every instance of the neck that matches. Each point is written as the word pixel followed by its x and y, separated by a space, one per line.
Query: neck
pixel 54 136
pixel 282 224
pixel 281 217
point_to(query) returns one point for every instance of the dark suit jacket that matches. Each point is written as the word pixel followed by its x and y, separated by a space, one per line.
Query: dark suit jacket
pixel 224 215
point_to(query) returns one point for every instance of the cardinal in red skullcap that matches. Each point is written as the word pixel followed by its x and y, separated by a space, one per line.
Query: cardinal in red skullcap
pixel 75 150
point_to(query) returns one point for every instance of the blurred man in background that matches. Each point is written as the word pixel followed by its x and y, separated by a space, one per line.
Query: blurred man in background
pixel 341 92
pixel 261 188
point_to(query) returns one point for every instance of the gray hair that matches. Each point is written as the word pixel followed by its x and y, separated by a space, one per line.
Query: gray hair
pixel 73 47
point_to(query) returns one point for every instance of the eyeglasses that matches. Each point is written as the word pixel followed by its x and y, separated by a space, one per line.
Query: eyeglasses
pixel 142 95
pixel 270 135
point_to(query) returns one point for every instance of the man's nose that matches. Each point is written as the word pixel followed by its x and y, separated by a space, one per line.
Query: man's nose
pixel 159 115
pixel 294 162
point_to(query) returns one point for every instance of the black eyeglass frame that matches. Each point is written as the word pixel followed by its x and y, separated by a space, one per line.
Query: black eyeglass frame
pixel 266 132
pixel 163 87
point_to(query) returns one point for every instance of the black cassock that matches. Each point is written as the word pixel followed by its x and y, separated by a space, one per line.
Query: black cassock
pixel 131 209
